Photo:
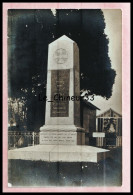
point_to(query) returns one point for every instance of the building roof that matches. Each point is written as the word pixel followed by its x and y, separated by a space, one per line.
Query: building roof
pixel 88 104
pixel 110 112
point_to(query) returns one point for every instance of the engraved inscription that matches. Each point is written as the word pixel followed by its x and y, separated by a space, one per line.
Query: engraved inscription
pixel 59 138
pixel 60 87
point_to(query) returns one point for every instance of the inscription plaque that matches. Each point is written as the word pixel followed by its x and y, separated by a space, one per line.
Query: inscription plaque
pixel 60 90
pixel 59 138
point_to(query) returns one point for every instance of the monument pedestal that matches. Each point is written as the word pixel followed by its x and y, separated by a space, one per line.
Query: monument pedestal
pixel 59 153
pixel 62 135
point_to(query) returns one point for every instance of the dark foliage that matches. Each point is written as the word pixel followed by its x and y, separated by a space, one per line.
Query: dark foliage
pixel 30 32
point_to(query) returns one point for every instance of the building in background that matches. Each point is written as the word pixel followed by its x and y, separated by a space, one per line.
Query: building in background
pixel 110 123
pixel 88 120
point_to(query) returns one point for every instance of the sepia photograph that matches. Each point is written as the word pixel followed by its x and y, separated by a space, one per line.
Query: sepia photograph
pixel 64 85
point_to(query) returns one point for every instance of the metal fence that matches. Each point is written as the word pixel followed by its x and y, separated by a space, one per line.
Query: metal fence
pixel 18 139
pixel 109 142
pixel 119 141
pixel 113 142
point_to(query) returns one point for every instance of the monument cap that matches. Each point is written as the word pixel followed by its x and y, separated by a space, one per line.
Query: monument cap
pixel 63 38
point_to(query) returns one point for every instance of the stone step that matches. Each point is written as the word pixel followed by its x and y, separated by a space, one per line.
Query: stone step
pixel 59 153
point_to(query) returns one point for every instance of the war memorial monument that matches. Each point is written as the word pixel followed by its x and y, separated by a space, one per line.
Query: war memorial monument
pixel 61 137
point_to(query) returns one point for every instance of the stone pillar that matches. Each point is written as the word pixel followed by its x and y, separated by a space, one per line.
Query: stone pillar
pixel 62 114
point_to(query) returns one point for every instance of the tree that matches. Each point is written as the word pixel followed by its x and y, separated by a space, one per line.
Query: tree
pixel 30 32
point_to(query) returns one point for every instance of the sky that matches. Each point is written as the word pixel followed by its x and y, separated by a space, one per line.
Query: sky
pixel 113 20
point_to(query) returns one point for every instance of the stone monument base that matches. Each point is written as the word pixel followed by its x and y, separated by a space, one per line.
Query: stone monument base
pixel 62 135
pixel 59 153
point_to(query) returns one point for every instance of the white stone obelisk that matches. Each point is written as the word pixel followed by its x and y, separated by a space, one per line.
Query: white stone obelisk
pixel 62 118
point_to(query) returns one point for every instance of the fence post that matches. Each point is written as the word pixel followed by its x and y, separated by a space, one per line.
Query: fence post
pixel 14 145
pixel 33 138
pixel 38 137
